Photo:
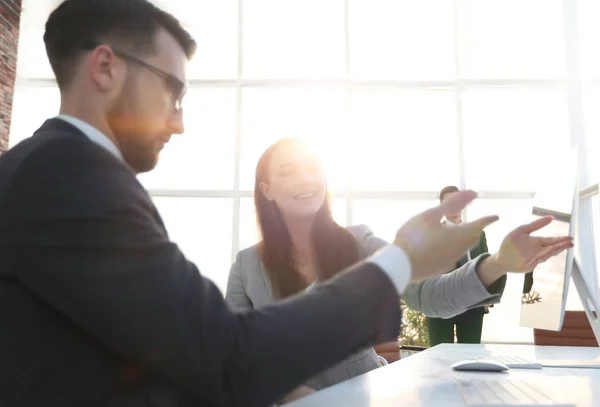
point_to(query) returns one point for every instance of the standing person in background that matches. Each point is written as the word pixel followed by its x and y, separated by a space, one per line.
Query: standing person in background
pixel 468 324
pixel 527 282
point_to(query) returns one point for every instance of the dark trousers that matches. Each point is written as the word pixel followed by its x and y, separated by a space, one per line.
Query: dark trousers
pixel 468 328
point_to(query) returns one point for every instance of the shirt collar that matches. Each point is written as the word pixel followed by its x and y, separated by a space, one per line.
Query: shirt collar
pixel 95 135
pixel 449 223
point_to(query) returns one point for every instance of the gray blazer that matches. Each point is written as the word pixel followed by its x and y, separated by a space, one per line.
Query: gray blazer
pixel 451 294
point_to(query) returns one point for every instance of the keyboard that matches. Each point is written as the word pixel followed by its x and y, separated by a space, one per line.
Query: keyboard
pixel 511 392
pixel 514 362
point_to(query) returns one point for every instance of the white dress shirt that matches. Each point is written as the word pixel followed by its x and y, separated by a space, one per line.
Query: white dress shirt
pixel 396 264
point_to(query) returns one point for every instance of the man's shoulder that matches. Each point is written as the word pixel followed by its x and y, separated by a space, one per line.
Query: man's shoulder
pixel 52 144
pixel 56 161
pixel 39 141
pixel 54 151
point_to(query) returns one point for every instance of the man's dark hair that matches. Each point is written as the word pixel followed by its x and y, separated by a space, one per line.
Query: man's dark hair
pixel 447 190
pixel 129 24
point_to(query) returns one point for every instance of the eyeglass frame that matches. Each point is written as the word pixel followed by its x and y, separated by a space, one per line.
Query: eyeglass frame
pixel 178 88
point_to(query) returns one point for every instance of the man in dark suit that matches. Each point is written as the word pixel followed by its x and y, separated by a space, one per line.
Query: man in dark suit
pixel 99 308
pixel 469 324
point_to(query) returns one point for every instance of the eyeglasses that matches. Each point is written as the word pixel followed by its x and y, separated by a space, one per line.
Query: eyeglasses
pixel 177 87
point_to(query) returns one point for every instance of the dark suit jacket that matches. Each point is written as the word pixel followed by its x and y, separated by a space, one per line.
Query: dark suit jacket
pixel 99 308
pixel 527 282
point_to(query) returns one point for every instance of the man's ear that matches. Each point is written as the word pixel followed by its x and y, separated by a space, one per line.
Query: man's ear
pixel 105 68
pixel 264 188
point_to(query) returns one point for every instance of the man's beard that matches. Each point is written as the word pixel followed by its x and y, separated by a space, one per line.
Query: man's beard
pixel 139 153
pixel 134 138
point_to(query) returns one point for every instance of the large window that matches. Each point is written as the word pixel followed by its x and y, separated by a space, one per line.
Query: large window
pixel 400 97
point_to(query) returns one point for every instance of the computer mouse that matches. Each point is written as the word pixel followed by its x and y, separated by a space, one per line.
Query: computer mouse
pixel 480 365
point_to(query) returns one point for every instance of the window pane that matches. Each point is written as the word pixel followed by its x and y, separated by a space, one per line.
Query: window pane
pixel 214 26
pixel 512 213
pixel 293 38
pixel 402 39
pixel 249 234
pixel 385 217
pixel 589 37
pixel 312 115
pixel 201 227
pixel 511 38
pixel 32 59
pixel 31 107
pixel 203 157
pixel 502 323
pixel 35 12
pixel 512 136
pixel 403 140
pixel 592 131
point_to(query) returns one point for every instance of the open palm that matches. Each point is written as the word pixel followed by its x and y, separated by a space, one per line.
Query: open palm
pixel 521 252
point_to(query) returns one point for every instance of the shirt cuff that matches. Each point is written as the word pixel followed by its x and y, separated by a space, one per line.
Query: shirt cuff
pixel 395 263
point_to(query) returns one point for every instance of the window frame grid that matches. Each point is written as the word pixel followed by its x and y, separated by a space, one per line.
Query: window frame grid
pixel 572 84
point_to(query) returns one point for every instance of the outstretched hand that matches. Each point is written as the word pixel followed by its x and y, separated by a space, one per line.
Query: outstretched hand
pixel 433 248
pixel 521 252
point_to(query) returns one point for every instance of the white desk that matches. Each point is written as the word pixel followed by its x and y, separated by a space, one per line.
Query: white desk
pixel 426 378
